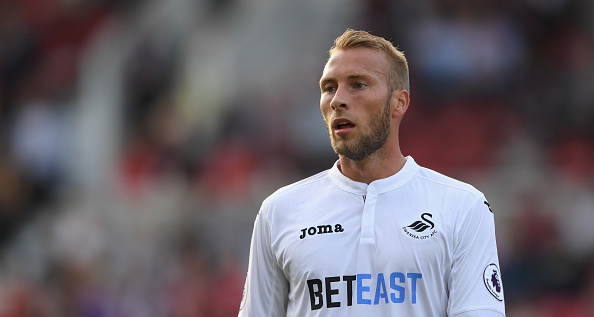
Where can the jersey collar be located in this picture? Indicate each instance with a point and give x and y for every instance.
(379, 186)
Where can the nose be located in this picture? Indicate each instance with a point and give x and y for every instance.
(339, 100)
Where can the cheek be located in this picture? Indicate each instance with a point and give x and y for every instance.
(324, 108)
(325, 101)
(325, 117)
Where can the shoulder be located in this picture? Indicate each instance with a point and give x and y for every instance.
(451, 185)
(297, 192)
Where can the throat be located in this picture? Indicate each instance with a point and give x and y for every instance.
(371, 168)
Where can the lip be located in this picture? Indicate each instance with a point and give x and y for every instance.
(342, 130)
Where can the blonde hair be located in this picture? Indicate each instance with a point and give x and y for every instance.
(398, 77)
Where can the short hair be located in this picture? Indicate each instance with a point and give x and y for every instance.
(398, 77)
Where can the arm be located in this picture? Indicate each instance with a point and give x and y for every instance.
(475, 287)
(266, 289)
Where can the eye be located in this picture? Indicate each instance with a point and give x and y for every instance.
(329, 89)
(359, 85)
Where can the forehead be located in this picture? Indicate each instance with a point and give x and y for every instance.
(346, 62)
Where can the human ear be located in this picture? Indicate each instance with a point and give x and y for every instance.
(400, 100)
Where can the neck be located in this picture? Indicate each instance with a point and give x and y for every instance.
(377, 166)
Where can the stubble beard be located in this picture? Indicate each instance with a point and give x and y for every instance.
(366, 144)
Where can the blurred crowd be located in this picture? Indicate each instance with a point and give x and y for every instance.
(138, 139)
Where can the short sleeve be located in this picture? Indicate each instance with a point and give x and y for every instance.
(266, 288)
(480, 313)
(475, 280)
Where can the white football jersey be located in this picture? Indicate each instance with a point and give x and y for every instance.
(417, 243)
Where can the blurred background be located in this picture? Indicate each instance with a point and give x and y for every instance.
(138, 139)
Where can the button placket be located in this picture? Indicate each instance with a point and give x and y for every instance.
(368, 219)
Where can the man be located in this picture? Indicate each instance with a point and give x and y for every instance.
(375, 235)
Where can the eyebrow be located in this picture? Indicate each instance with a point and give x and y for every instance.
(324, 80)
(359, 75)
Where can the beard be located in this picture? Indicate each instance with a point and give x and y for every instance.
(367, 143)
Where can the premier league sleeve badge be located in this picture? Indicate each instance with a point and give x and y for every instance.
(492, 279)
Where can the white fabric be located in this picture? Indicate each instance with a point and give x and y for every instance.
(480, 313)
(329, 246)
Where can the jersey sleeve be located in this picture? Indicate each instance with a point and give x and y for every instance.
(475, 279)
(266, 288)
(480, 313)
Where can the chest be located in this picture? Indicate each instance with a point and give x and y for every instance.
(375, 234)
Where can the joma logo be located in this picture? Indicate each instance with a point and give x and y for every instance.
(321, 229)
